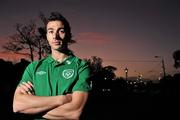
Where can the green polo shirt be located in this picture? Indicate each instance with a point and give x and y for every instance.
(51, 78)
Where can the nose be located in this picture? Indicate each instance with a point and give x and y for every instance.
(57, 36)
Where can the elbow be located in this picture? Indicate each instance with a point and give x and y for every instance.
(16, 107)
(76, 115)
(16, 104)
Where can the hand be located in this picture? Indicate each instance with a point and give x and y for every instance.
(69, 97)
(26, 88)
(65, 98)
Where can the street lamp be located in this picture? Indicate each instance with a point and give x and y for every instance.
(163, 66)
(126, 72)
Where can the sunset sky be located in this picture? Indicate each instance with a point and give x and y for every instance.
(124, 33)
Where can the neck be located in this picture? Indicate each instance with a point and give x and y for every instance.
(58, 56)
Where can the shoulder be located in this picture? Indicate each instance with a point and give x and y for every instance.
(36, 63)
(81, 65)
(80, 61)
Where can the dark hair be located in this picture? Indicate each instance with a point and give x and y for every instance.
(57, 16)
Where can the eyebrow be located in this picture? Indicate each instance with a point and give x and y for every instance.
(53, 28)
(50, 29)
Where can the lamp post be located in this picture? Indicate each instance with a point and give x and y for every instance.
(126, 72)
(163, 65)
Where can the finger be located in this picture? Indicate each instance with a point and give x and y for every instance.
(23, 87)
(29, 92)
(30, 84)
(23, 91)
(69, 97)
(27, 85)
(32, 88)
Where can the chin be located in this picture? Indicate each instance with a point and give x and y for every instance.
(55, 48)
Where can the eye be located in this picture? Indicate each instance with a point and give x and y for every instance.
(61, 30)
(50, 31)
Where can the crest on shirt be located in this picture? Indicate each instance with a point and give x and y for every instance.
(68, 73)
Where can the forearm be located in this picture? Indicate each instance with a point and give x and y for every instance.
(26, 102)
(43, 109)
(49, 117)
(63, 113)
(35, 104)
(71, 110)
(52, 117)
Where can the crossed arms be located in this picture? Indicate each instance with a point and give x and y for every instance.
(62, 107)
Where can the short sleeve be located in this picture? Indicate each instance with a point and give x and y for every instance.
(83, 82)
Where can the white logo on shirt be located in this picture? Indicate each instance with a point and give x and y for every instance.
(68, 62)
(41, 72)
(68, 73)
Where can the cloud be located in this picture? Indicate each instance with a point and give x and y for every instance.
(15, 57)
(94, 38)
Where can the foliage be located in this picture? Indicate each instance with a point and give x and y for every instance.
(176, 56)
(30, 38)
(100, 72)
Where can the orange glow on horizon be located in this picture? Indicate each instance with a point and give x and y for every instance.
(13, 57)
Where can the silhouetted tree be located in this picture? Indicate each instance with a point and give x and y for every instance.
(32, 38)
(176, 56)
(96, 67)
(100, 76)
(29, 37)
(23, 40)
(108, 72)
(95, 64)
(42, 44)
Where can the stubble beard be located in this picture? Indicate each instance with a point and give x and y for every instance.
(63, 48)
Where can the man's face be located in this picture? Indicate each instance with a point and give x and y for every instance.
(55, 34)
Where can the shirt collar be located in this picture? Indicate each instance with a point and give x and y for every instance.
(66, 61)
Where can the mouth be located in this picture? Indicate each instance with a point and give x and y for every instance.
(57, 42)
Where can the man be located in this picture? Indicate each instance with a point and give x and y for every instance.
(57, 86)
